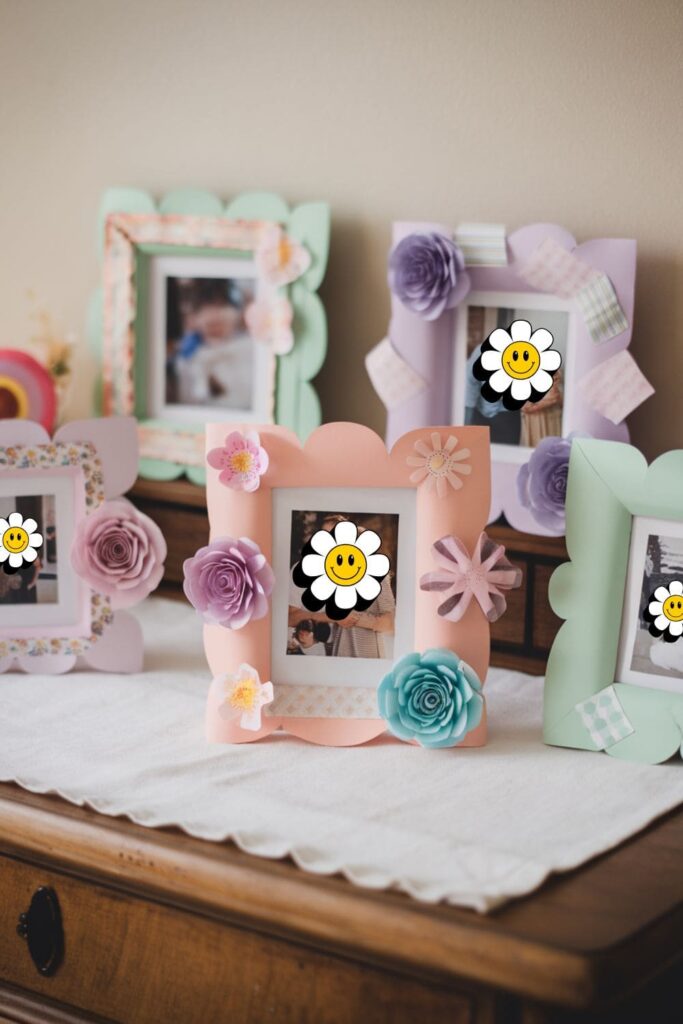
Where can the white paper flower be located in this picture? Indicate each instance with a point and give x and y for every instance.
(665, 611)
(243, 697)
(517, 365)
(439, 465)
(19, 541)
(341, 569)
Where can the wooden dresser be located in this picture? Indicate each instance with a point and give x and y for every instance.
(153, 927)
(160, 928)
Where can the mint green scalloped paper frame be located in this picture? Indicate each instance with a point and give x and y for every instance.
(296, 402)
(609, 483)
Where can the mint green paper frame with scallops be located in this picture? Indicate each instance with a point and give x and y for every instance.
(609, 483)
(295, 402)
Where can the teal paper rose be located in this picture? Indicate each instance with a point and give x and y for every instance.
(434, 698)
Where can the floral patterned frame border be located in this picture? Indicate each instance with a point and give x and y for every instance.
(105, 453)
(346, 455)
(191, 222)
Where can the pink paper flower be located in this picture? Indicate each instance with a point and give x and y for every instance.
(459, 578)
(243, 697)
(439, 465)
(119, 552)
(270, 322)
(279, 260)
(242, 461)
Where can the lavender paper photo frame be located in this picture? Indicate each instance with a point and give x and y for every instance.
(434, 355)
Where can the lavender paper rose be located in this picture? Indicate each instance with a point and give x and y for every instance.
(542, 482)
(229, 582)
(119, 552)
(427, 273)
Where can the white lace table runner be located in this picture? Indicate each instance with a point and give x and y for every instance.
(471, 827)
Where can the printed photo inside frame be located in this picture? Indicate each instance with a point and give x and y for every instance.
(615, 673)
(208, 312)
(73, 553)
(338, 585)
(525, 333)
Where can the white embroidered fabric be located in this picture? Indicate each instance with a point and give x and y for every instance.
(470, 827)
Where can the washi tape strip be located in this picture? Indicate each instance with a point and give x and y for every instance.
(616, 387)
(551, 268)
(392, 378)
(482, 245)
(601, 310)
(604, 718)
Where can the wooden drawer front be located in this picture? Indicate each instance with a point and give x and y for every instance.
(129, 959)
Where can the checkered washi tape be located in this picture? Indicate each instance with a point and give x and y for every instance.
(392, 378)
(604, 718)
(550, 268)
(601, 310)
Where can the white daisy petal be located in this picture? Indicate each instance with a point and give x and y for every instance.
(16, 519)
(368, 542)
(418, 476)
(322, 588)
(458, 467)
(35, 540)
(661, 622)
(655, 608)
(368, 588)
(30, 555)
(499, 338)
(436, 442)
(345, 597)
(521, 390)
(378, 565)
(661, 593)
(313, 565)
(345, 533)
(30, 525)
(4, 555)
(676, 587)
(491, 360)
(542, 339)
(422, 448)
(455, 481)
(551, 360)
(4, 525)
(676, 628)
(464, 453)
(541, 381)
(322, 542)
(520, 330)
(499, 381)
(441, 486)
(15, 561)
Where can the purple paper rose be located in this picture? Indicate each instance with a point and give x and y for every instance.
(542, 482)
(119, 552)
(427, 273)
(229, 582)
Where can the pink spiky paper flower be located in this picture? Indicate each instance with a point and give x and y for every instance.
(484, 576)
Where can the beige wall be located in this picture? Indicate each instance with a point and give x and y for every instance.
(510, 110)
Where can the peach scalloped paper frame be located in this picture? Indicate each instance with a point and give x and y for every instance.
(347, 455)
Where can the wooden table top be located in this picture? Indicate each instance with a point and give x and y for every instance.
(583, 938)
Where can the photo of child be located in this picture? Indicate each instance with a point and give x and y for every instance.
(663, 562)
(209, 353)
(35, 582)
(361, 634)
(536, 420)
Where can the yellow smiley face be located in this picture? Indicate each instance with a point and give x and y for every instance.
(521, 360)
(15, 540)
(673, 608)
(345, 564)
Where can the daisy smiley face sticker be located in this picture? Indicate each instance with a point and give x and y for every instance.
(341, 569)
(665, 612)
(19, 541)
(517, 365)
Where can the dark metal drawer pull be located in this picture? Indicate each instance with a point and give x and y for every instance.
(41, 926)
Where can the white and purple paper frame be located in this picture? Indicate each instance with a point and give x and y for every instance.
(86, 463)
(437, 350)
